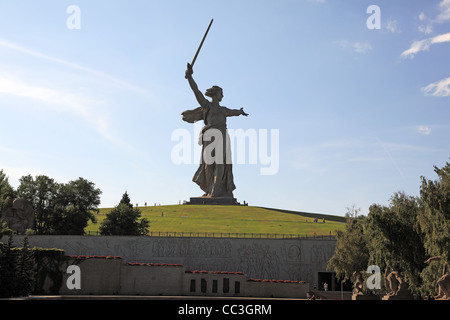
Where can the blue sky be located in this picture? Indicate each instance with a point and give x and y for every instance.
(361, 113)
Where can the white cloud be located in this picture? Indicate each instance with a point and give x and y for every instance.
(423, 130)
(425, 44)
(422, 16)
(438, 89)
(426, 29)
(441, 38)
(416, 47)
(358, 47)
(444, 15)
(54, 96)
(392, 26)
(60, 99)
(105, 76)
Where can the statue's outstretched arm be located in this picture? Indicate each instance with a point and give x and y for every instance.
(433, 259)
(242, 112)
(235, 112)
(198, 94)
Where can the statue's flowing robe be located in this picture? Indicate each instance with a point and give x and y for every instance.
(215, 177)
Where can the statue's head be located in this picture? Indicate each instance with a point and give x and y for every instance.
(215, 92)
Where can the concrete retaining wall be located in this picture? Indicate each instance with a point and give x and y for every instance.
(151, 280)
(285, 259)
(100, 276)
(275, 289)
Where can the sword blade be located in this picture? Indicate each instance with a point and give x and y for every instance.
(201, 43)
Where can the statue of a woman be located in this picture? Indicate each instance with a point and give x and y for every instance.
(214, 175)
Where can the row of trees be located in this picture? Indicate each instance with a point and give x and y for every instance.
(402, 235)
(67, 208)
(60, 208)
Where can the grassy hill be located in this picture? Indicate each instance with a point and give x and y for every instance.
(232, 219)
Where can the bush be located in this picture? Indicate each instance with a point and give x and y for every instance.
(17, 270)
(48, 266)
(24, 271)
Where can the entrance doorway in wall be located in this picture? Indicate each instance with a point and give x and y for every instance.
(325, 279)
(333, 283)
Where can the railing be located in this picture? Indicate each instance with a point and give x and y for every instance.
(231, 235)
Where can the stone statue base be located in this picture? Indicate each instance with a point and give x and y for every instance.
(402, 294)
(223, 201)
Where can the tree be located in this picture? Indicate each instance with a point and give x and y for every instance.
(60, 208)
(435, 220)
(75, 206)
(394, 239)
(17, 269)
(352, 212)
(25, 270)
(6, 191)
(126, 200)
(351, 253)
(7, 269)
(42, 192)
(435, 225)
(124, 220)
(4, 229)
(402, 235)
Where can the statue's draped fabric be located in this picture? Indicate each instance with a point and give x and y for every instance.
(214, 174)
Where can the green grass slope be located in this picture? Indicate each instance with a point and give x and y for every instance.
(232, 219)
